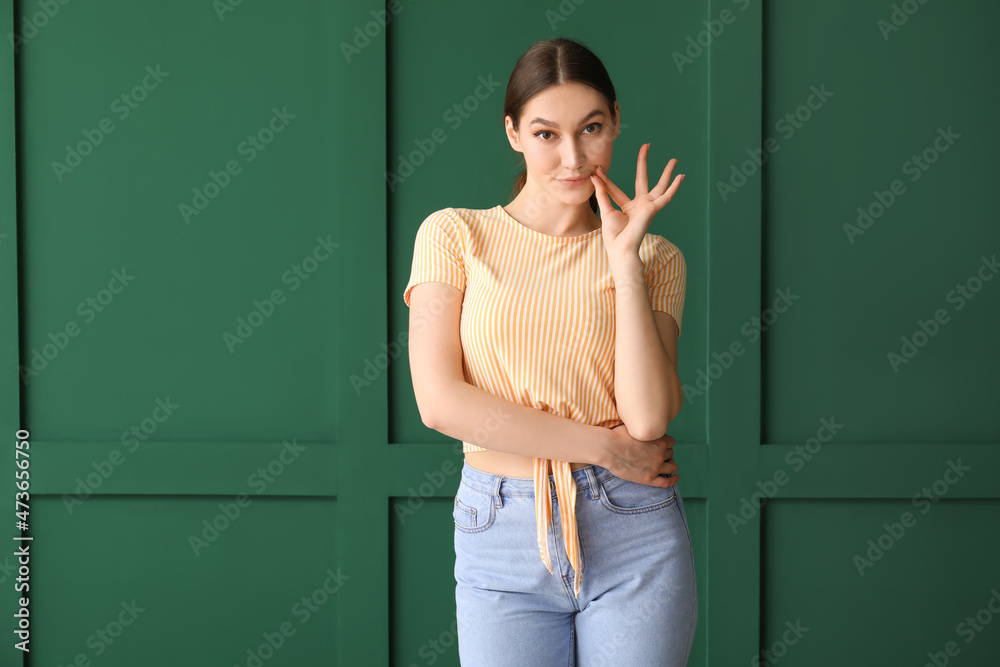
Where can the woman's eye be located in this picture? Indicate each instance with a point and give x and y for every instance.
(596, 126)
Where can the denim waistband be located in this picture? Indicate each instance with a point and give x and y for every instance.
(586, 478)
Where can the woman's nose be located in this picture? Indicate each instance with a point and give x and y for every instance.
(572, 157)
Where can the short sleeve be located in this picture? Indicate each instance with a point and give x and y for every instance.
(437, 252)
(667, 279)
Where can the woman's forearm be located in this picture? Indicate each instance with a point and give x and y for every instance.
(646, 380)
(476, 416)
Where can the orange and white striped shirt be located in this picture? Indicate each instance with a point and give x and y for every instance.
(538, 325)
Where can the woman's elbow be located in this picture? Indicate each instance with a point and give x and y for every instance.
(649, 427)
(653, 426)
(430, 413)
(427, 418)
(434, 405)
(647, 431)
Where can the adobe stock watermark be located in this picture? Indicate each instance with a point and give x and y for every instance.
(304, 609)
(779, 648)
(960, 295)
(32, 23)
(223, 7)
(898, 17)
(229, 512)
(562, 12)
(294, 276)
(88, 309)
(364, 34)
(698, 44)
(915, 167)
(373, 367)
(436, 479)
(796, 460)
(895, 531)
(249, 148)
(753, 329)
(968, 629)
(434, 648)
(787, 126)
(7, 570)
(105, 468)
(454, 116)
(123, 106)
(105, 636)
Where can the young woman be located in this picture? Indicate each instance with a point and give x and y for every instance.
(545, 337)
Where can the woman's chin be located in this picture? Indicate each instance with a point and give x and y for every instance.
(578, 195)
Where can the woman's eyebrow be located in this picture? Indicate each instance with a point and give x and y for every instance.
(595, 112)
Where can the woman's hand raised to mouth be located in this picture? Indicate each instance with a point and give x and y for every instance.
(624, 230)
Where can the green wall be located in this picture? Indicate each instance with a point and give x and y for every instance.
(225, 451)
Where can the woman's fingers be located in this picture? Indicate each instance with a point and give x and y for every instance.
(641, 180)
(661, 185)
(616, 193)
(602, 196)
(665, 198)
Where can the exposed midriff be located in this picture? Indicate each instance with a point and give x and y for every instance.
(504, 463)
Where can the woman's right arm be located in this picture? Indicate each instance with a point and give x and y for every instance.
(450, 405)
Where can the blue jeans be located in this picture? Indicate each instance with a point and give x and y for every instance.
(638, 605)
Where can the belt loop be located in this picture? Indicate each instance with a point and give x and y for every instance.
(497, 498)
(592, 482)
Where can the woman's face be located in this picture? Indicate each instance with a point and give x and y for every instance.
(565, 132)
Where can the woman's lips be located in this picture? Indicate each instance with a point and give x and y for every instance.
(573, 183)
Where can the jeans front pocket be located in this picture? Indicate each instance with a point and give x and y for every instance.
(474, 511)
(624, 497)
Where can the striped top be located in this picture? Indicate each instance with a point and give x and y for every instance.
(538, 325)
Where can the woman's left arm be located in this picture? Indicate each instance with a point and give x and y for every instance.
(648, 389)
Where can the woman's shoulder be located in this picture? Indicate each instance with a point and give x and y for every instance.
(658, 241)
(658, 250)
(465, 221)
(461, 215)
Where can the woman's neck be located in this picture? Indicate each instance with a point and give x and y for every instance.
(544, 213)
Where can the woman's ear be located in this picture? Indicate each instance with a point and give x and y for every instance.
(512, 137)
(618, 120)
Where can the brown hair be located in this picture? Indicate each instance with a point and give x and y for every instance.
(549, 63)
